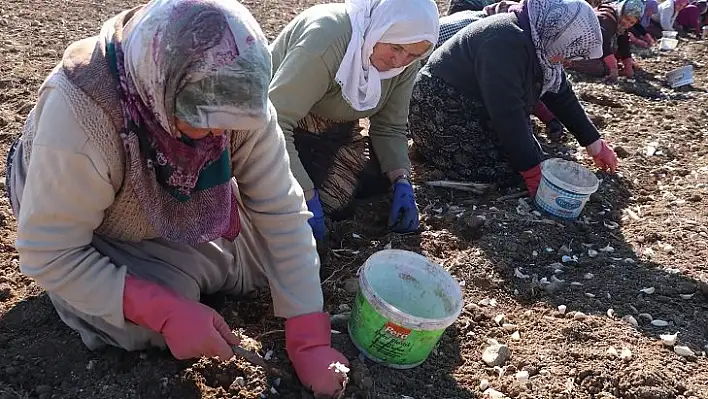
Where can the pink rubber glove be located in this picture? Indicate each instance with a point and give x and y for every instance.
(308, 343)
(190, 329)
(603, 156)
(628, 64)
(532, 178)
(611, 63)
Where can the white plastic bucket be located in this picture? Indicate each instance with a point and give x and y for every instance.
(565, 188)
(680, 76)
(403, 306)
(667, 44)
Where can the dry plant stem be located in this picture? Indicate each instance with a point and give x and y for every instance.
(265, 334)
(331, 276)
(477, 188)
(259, 361)
(513, 196)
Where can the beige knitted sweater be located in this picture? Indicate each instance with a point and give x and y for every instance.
(69, 184)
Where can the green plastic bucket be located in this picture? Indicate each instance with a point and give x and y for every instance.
(404, 304)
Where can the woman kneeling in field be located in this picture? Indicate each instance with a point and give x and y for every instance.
(615, 20)
(453, 23)
(334, 65)
(470, 105)
(150, 172)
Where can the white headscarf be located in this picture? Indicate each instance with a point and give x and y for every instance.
(567, 28)
(386, 21)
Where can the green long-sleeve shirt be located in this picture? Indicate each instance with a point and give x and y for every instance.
(306, 57)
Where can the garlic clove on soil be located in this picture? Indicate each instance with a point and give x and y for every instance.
(579, 316)
(668, 339)
(686, 296)
(607, 249)
(612, 351)
(562, 309)
(626, 354)
(668, 248)
(659, 323)
(488, 302)
(499, 319)
(588, 276)
(631, 320)
(516, 336)
(522, 376)
(592, 253)
(648, 291)
(484, 384)
(684, 351)
(493, 394)
(610, 224)
(519, 274)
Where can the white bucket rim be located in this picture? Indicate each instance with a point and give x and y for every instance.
(546, 172)
(671, 44)
(399, 316)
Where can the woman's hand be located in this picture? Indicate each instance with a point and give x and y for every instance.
(317, 221)
(612, 68)
(532, 179)
(190, 329)
(603, 156)
(308, 343)
(403, 217)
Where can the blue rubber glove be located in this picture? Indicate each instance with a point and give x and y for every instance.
(404, 213)
(317, 221)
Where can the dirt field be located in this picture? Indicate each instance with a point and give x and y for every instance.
(653, 215)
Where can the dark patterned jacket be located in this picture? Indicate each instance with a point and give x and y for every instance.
(493, 61)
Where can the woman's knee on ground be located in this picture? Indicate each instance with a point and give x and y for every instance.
(96, 332)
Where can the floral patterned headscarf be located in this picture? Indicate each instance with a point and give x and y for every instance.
(566, 28)
(207, 63)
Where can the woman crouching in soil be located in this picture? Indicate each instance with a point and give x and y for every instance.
(470, 105)
(615, 19)
(453, 23)
(334, 65)
(665, 18)
(150, 172)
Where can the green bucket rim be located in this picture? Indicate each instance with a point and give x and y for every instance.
(395, 314)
